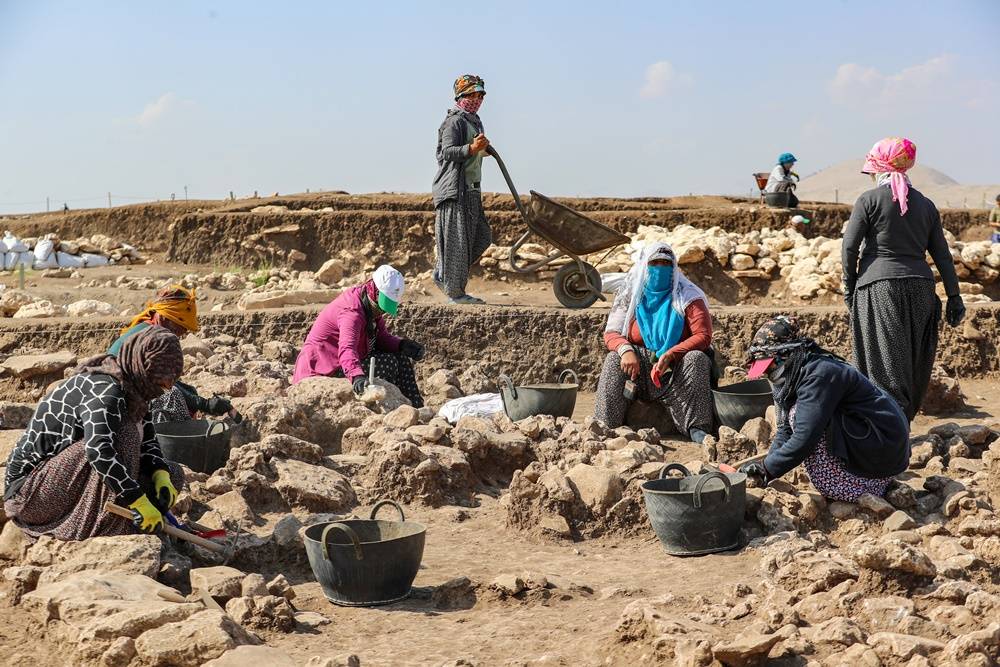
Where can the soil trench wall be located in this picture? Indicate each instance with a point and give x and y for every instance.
(529, 344)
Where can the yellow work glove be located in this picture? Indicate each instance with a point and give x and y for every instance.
(145, 516)
(166, 494)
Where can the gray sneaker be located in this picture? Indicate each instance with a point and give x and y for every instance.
(466, 300)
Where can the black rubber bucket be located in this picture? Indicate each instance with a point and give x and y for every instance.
(558, 400)
(200, 444)
(777, 199)
(696, 514)
(736, 404)
(363, 563)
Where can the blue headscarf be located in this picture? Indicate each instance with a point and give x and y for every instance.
(660, 324)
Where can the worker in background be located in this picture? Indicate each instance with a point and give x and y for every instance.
(350, 335)
(461, 232)
(851, 436)
(783, 179)
(175, 310)
(995, 222)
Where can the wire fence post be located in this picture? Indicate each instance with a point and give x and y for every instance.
(185, 193)
(109, 200)
(47, 203)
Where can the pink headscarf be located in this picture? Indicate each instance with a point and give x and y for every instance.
(893, 156)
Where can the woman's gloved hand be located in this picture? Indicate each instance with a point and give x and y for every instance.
(756, 473)
(359, 384)
(412, 349)
(218, 406)
(166, 494)
(145, 516)
(954, 312)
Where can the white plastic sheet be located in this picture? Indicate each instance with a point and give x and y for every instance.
(14, 259)
(91, 259)
(473, 405)
(610, 282)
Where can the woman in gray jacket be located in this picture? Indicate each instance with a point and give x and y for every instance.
(460, 228)
(890, 291)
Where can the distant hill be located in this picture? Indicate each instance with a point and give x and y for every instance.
(847, 181)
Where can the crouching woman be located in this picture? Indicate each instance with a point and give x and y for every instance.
(91, 440)
(851, 436)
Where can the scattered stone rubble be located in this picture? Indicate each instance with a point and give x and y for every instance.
(884, 581)
(811, 266)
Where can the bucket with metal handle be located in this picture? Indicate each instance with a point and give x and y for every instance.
(690, 517)
(364, 563)
(558, 400)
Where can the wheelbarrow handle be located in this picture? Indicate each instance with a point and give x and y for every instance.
(510, 184)
(382, 503)
(347, 530)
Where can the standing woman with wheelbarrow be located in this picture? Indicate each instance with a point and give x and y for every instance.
(460, 228)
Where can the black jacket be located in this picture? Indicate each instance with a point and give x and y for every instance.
(864, 426)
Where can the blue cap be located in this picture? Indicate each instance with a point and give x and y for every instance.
(786, 157)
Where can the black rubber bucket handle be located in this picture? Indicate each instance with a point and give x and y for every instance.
(382, 503)
(347, 530)
(570, 372)
(504, 380)
(704, 480)
(674, 466)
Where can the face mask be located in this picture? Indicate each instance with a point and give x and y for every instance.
(660, 278)
(777, 373)
(469, 104)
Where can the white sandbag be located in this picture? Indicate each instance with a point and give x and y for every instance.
(93, 259)
(610, 282)
(44, 249)
(10, 243)
(42, 264)
(68, 261)
(15, 259)
(473, 405)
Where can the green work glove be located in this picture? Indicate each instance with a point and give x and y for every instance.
(166, 494)
(145, 516)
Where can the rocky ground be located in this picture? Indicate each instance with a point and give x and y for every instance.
(538, 550)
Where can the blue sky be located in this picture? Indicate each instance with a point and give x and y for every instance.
(626, 98)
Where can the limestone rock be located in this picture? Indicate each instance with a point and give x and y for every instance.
(402, 417)
(191, 642)
(15, 416)
(944, 394)
(31, 365)
(898, 520)
(892, 645)
(221, 582)
(264, 612)
(890, 555)
(37, 309)
(313, 488)
(253, 585)
(129, 554)
(878, 506)
(91, 308)
(758, 431)
(279, 350)
(747, 649)
(598, 488)
(508, 585)
(331, 272)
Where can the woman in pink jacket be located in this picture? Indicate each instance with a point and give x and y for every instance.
(350, 334)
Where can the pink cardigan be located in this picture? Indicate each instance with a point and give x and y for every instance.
(338, 339)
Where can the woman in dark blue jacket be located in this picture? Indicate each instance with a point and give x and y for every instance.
(851, 436)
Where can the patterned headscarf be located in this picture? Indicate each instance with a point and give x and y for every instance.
(173, 302)
(893, 156)
(468, 84)
(779, 339)
(146, 361)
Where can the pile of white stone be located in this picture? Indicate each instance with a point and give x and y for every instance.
(810, 266)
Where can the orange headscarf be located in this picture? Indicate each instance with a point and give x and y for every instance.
(174, 302)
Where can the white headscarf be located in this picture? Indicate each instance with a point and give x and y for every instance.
(627, 299)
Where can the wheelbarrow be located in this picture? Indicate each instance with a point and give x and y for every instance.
(577, 284)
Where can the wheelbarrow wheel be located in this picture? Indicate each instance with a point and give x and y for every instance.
(571, 288)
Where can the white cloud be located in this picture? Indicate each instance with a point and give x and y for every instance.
(662, 77)
(859, 85)
(155, 109)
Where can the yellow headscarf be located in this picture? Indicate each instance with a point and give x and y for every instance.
(174, 302)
